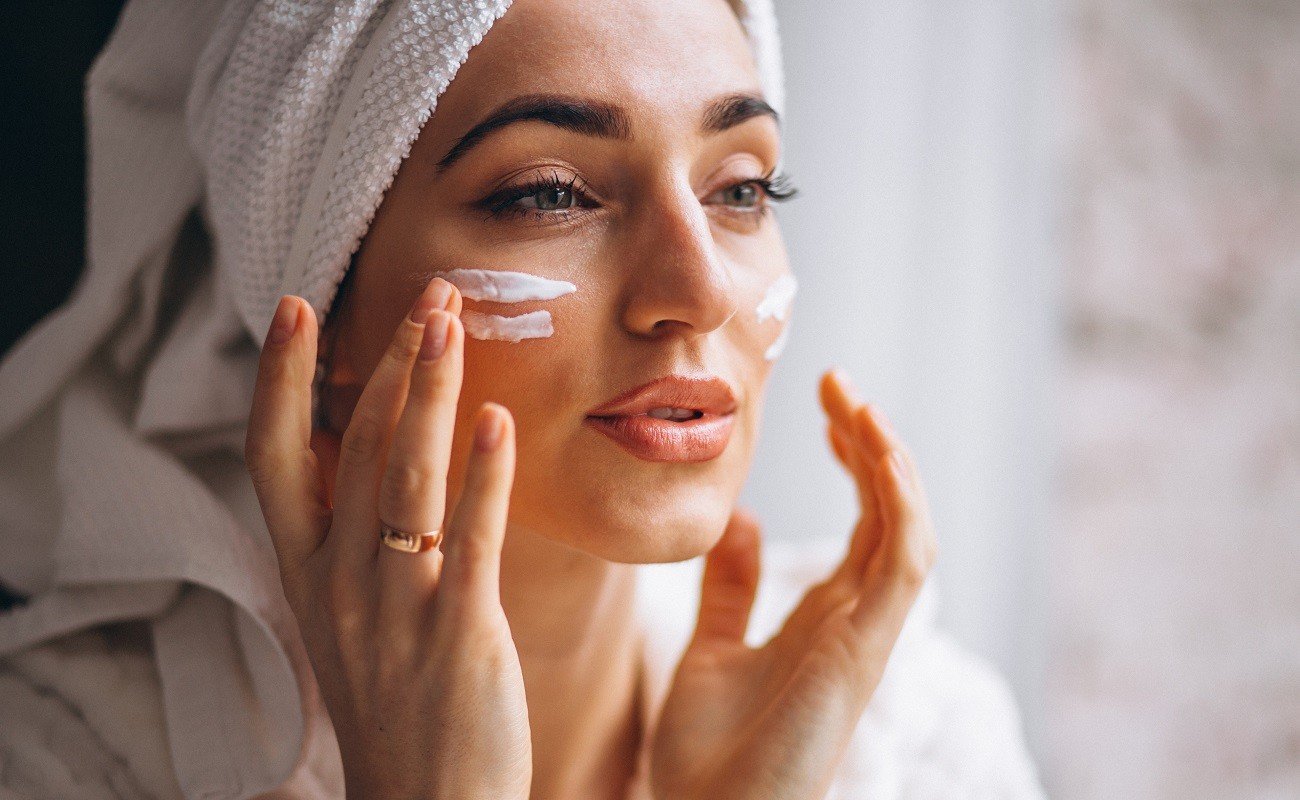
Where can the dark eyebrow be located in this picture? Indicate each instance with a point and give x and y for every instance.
(588, 117)
(727, 112)
(596, 118)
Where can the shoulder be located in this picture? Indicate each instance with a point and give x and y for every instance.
(81, 717)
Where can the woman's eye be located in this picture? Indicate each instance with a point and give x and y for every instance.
(744, 195)
(550, 198)
(544, 199)
(752, 196)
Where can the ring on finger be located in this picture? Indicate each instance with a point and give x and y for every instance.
(408, 542)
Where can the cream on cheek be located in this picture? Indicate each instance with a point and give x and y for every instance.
(503, 286)
(533, 325)
(773, 350)
(776, 305)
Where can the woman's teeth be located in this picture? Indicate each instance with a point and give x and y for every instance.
(676, 414)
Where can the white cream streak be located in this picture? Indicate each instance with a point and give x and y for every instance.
(776, 300)
(778, 344)
(501, 286)
(533, 325)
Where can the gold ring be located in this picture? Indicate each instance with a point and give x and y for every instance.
(409, 542)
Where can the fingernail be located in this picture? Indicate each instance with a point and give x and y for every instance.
(435, 295)
(440, 292)
(487, 434)
(435, 335)
(284, 323)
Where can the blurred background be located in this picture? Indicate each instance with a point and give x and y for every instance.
(1059, 243)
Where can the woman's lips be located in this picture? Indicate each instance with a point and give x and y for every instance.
(702, 406)
(653, 439)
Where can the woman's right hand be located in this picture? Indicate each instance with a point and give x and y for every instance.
(412, 651)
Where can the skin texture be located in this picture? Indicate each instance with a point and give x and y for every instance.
(660, 276)
(454, 672)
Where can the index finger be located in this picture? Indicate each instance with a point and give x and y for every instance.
(277, 448)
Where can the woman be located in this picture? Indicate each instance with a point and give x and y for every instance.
(548, 353)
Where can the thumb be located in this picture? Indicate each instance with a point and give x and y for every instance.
(730, 581)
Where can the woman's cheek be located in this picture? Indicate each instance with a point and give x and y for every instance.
(502, 371)
(765, 319)
(539, 376)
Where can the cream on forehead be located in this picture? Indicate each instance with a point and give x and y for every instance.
(501, 286)
(776, 300)
(774, 349)
(533, 325)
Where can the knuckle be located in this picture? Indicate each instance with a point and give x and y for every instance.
(845, 650)
(430, 386)
(905, 512)
(260, 467)
(362, 438)
(910, 566)
(257, 449)
(405, 345)
(406, 483)
(831, 592)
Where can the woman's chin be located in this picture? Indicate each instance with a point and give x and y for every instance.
(636, 532)
(676, 538)
(625, 510)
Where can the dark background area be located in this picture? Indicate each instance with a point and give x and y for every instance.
(45, 51)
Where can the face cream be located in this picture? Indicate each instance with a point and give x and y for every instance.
(774, 349)
(504, 286)
(501, 286)
(533, 325)
(776, 300)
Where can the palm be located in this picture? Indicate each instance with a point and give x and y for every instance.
(748, 708)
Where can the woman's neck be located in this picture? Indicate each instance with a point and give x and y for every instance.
(574, 622)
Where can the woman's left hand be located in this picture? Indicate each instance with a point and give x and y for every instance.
(773, 722)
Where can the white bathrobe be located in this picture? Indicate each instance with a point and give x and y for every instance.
(205, 706)
(236, 151)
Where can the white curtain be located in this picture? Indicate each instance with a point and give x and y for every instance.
(921, 134)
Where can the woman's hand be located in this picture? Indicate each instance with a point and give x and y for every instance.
(412, 650)
(773, 722)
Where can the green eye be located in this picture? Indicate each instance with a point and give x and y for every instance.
(550, 198)
(745, 195)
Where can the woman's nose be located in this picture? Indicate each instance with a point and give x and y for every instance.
(677, 282)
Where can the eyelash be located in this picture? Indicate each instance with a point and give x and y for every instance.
(502, 203)
(775, 186)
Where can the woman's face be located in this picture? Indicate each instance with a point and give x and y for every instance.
(634, 180)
